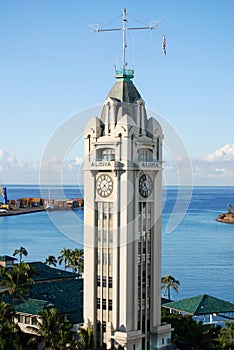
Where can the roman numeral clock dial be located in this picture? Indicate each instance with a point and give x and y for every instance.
(104, 185)
(145, 186)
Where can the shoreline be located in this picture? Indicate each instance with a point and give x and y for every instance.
(21, 211)
(226, 218)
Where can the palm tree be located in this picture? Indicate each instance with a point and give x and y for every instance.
(6, 311)
(18, 280)
(227, 336)
(56, 335)
(76, 261)
(9, 331)
(229, 208)
(51, 260)
(21, 251)
(9, 336)
(190, 334)
(86, 337)
(168, 282)
(64, 257)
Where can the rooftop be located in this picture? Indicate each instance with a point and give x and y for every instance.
(201, 305)
(32, 306)
(124, 90)
(6, 258)
(65, 296)
(45, 272)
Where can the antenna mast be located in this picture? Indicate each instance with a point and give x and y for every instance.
(124, 38)
(124, 28)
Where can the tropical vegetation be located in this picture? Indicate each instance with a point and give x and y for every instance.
(17, 280)
(86, 337)
(73, 259)
(167, 283)
(21, 251)
(9, 331)
(51, 260)
(55, 334)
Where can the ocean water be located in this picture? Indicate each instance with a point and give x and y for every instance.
(199, 252)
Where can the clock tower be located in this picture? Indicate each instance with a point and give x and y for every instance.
(122, 222)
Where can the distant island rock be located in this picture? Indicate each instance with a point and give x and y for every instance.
(227, 218)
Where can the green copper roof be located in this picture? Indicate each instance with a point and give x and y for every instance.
(32, 306)
(45, 272)
(201, 305)
(6, 258)
(126, 74)
(66, 296)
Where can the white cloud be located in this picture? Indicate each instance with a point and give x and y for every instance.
(56, 171)
(79, 160)
(13, 170)
(216, 168)
(225, 154)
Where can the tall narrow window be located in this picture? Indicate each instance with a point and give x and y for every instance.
(132, 146)
(158, 149)
(89, 143)
(120, 147)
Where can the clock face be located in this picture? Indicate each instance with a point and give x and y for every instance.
(145, 186)
(104, 185)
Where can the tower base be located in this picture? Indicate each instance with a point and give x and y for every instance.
(160, 337)
(129, 340)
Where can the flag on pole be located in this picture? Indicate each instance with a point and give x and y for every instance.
(164, 44)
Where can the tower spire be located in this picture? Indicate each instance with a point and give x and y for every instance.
(124, 72)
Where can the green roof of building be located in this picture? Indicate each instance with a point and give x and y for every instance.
(45, 272)
(32, 306)
(201, 305)
(66, 296)
(6, 258)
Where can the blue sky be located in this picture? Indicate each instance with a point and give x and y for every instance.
(53, 66)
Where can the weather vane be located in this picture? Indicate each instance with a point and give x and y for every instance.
(124, 28)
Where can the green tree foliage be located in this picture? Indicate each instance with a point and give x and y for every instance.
(21, 251)
(167, 283)
(227, 336)
(189, 334)
(56, 334)
(64, 257)
(51, 260)
(18, 280)
(73, 259)
(229, 208)
(9, 331)
(76, 260)
(86, 336)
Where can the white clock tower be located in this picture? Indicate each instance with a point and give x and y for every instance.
(122, 220)
(122, 225)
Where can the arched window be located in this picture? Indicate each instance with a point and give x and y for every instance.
(145, 155)
(106, 154)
